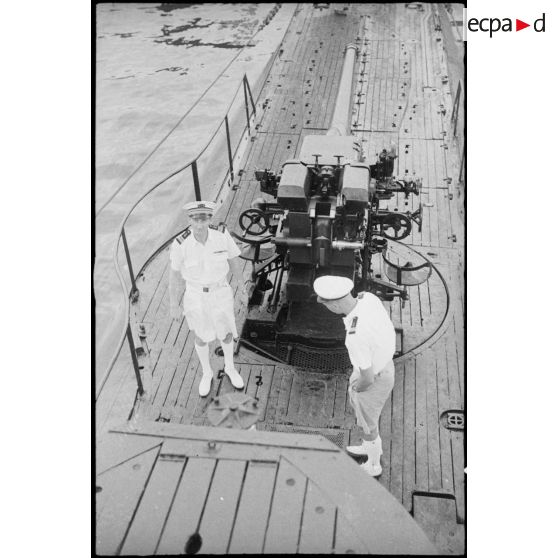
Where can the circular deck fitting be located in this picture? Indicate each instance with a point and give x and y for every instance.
(417, 320)
(421, 317)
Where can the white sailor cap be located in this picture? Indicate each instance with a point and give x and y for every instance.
(196, 207)
(332, 287)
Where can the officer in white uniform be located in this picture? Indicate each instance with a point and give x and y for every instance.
(370, 341)
(201, 256)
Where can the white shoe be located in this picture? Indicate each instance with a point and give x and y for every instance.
(205, 385)
(361, 450)
(235, 377)
(374, 451)
(356, 450)
(374, 470)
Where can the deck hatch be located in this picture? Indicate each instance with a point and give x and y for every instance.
(453, 420)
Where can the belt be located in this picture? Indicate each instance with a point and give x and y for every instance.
(207, 288)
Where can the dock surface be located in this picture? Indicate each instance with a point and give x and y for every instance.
(401, 97)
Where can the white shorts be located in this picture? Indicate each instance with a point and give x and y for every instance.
(210, 314)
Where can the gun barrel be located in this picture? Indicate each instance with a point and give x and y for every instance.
(341, 121)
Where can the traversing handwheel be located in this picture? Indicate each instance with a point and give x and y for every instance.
(396, 226)
(254, 222)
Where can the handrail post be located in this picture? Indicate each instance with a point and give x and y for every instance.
(455, 111)
(246, 104)
(135, 292)
(196, 180)
(229, 147)
(462, 169)
(250, 93)
(134, 359)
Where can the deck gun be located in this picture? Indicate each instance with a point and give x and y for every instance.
(323, 217)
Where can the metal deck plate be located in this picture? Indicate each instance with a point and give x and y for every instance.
(339, 437)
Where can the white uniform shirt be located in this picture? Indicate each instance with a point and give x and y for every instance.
(203, 264)
(370, 336)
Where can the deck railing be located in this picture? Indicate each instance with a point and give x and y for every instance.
(176, 188)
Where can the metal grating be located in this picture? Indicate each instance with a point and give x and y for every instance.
(313, 358)
(339, 437)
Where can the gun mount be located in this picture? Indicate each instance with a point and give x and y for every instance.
(325, 219)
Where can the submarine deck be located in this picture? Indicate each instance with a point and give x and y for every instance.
(402, 95)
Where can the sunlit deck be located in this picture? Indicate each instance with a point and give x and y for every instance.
(401, 96)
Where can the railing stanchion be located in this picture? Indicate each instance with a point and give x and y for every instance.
(455, 111)
(134, 359)
(196, 180)
(250, 93)
(246, 104)
(135, 292)
(229, 147)
(462, 169)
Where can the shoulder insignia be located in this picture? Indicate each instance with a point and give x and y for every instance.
(183, 236)
(221, 227)
(353, 325)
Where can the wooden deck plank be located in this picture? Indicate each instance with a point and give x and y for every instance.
(183, 519)
(433, 424)
(117, 381)
(386, 436)
(284, 395)
(341, 386)
(397, 448)
(253, 509)
(443, 209)
(167, 369)
(346, 542)
(183, 358)
(119, 506)
(283, 527)
(457, 278)
(350, 418)
(457, 448)
(220, 509)
(295, 398)
(189, 391)
(152, 286)
(318, 523)
(264, 388)
(157, 319)
(435, 239)
(443, 405)
(423, 367)
(148, 522)
(273, 399)
(455, 397)
(409, 440)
